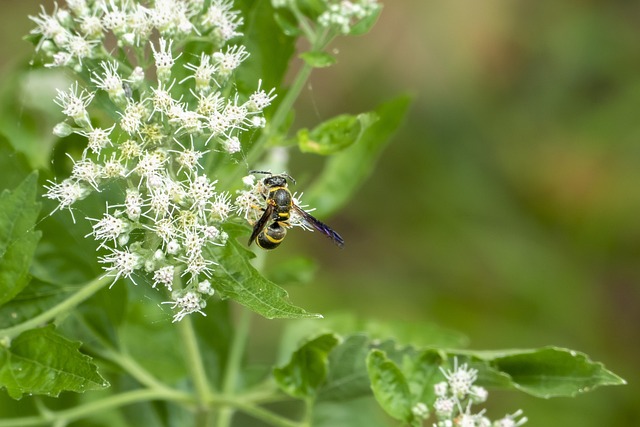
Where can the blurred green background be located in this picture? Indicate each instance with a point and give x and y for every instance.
(508, 206)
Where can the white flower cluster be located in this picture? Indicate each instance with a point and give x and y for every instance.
(455, 398)
(166, 131)
(71, 35)
(345, 14)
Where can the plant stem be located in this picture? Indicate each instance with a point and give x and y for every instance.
(84, 293)
(261, 414)
(134, 369)
(69, 415)
(234, 364)
(196, 368)
(281, 113)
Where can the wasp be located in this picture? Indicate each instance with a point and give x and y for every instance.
(271, 229)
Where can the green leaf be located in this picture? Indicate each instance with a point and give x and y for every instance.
(423, 372)
(365, 25)
(287, 22)
(318, 59)
(40, 361)
(389, 386)
(36, 298)
(294, 270)
(14, 166)
(271, 50)
(236, 278)
(348, 378)
(335, 134)
(553, 372)
(307, 369)
(346, 171)
(311, 8)
(18, 239)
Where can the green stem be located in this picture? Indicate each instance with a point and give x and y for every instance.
(234, 364)
(262, 414)
(69, 415)
(196, 368)
(84, 293)
(308, 413)
(131, 366)
(281, 113)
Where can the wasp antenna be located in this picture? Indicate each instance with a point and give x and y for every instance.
(286, 175)
(261, 172)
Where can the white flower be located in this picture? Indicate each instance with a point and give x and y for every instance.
(139, 24)
(161, 99)
(221, 206)
(97, 139)
(260, 99)
(228, 61)
(164, 276)
(109, 228)
(204, 287)
(200, 191)
(133, 204)
(420, 410)
(510, 420)
(66, 193)
(222, 19)
(122, 263)
(47, 26)
(232, 145)
(164, 59)
(88, 171)
(110, 81)
(78, 47)
(202, 74)
(441, 388)
(114, 19)
(189, 302)
(460, 379)
(91, 26)
(444, 407)
(132, 118)
(74, 104)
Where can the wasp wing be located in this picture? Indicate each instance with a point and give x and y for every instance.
(320, 226)
(261, 223)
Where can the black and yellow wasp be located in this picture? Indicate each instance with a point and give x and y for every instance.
(271, 229)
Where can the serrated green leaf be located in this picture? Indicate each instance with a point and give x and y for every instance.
(40, 361)
(18, 239)
(389, 386)
(346, 171)
(335, 134)
(553, 372)
(347, 378)
(33, 300)
(318, 59)
(307, 369)
(236, 278)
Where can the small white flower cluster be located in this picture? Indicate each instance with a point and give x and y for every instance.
(345, 14)
(455, 398)
(171, 212)
(69, 36)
